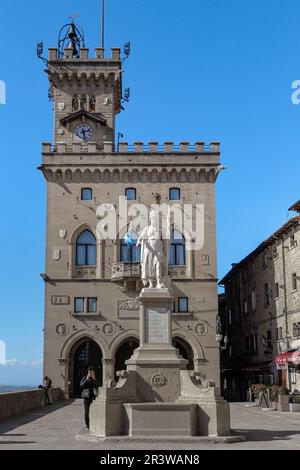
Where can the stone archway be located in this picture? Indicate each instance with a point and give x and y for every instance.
(124, 352)
(84, 353)
(185, 351)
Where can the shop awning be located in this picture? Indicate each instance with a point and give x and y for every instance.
(288, 357)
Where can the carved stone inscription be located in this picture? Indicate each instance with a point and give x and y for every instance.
(60, 300)
(156, 325)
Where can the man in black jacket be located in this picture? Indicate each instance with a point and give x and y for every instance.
(89, 387)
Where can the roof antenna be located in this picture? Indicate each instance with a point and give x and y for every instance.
(103, 23)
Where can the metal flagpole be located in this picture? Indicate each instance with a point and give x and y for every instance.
(103, 22)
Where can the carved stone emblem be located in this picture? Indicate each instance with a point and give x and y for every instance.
(201, 329)
(108, 329)
(56, 252)
(61, 106)
(205, 260)
(129, 304)
(61, 329)
(159, 380)
(128, 308)
(62, 233)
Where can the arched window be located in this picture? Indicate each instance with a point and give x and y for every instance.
(75, 103)
(83, 102)
(92, 102)
(177, 249)
(129, 252)
(86, 249)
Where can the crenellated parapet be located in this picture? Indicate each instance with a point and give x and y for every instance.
(115, 55)
(136, 148)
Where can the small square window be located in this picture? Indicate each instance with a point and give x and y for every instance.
(276, 292)
(86, 194)
(79, 305)
(183, 305)
(174, 194)
(130, 194)
(92, 305)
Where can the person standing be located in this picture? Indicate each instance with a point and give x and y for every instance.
(89, 387)
(47, 387)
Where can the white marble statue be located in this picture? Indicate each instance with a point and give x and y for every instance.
(152, 253)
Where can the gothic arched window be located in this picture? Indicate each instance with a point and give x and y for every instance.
(83, 102)
(129, 252)
(177, 249)
(86, 249)
(92, 103)
(75, 103)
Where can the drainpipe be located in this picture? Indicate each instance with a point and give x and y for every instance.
(287, 341)
(285, 297)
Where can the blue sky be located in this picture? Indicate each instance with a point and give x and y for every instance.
(199, 70)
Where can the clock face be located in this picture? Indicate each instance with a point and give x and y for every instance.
(83, 131)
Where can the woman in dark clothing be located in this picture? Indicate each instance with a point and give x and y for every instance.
(89, 387)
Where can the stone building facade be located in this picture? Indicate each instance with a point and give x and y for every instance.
(260, 314)
(92, 285)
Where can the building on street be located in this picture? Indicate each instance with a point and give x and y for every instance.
(260, 314)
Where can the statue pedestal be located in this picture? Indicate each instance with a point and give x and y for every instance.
(157, 395)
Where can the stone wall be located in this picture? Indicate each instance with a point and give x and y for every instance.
(14, 403)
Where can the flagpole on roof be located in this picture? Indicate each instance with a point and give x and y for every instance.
(103, 24)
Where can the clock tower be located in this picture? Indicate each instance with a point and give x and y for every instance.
(87, 93)
(92, 285)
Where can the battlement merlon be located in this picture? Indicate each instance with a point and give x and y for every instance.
(115, 56)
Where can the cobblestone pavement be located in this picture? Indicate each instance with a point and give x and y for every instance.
(56, 427)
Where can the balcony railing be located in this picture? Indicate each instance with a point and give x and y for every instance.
(125, 270)
(85, 272)
(177, 272)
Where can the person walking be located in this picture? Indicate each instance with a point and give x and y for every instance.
(89, 387)
(47, 387)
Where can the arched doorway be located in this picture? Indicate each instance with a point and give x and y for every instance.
(124, 352)
(83, 354)
(185, 351)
